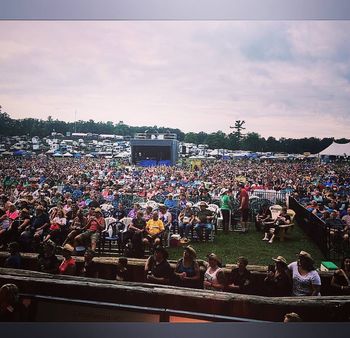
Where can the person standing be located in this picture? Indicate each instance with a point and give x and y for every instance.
(240, 279)
(187, 273)
(306, 280)
(157, 268)
(278, 281)
(68, 266)
(225, 209)
(341, 278)
(244, 207)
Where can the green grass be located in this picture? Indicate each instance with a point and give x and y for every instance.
(229, 247)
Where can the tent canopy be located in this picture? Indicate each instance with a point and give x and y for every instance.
(337, 149)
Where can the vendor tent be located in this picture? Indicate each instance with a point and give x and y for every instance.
(67, 155)
(337, 149)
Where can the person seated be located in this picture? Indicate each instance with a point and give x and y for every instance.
(319, 211)
(264, 215)
(343, 206)
(157, 268)
(182, 201)
(9, 303)
(58, 222)
(272, 229)
(119, 212)
(133, 212)
(335, 225)
(95, 224)
(123, 273)
(203, 220)
(89, 268)
(8, 217)
(169, 202)
(12, 233)
(341, 278)
(187, 273)
(76, 227)
(312, 206)
(154, 230)
(134, 235)
(186, 219)
(147, 215)
(14, 261)
(68, 265)
(10, 214)
(165, 216)
(47, 260)
(214, 278)
(204, 195)
(240, 280)
(40, 224)
(318, 197)
(278, 281)
(346, 221)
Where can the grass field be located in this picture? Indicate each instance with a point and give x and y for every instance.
(250, 245)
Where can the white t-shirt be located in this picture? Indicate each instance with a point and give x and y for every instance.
(302, 284)
(58, 220)
(211, 277)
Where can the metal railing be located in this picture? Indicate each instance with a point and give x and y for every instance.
(163, 313)
(313, 226)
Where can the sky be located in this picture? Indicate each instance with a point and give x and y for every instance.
(283, 78)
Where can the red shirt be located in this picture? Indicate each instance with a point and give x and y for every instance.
(12, 215)
(96, 224)
(244, 194)
(65, 264)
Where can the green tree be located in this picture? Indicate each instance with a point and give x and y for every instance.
(252, 142)
(216, 140)
(191, 138)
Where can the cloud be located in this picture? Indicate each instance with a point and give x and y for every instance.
(284, 78)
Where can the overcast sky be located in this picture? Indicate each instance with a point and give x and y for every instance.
(289, 79)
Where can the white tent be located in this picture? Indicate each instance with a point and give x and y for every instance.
(123, 155)
(215, 152)
(337, 149)
(67, 155)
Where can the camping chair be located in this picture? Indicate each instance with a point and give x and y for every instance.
(196, 209)
(218, 219)
(112, 233)
(152, 204)
(291, 213)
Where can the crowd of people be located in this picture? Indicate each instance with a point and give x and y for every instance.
(63, 199)
(298, 278)
(44, 199)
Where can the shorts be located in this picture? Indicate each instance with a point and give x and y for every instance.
(244, 215)
(93, 236)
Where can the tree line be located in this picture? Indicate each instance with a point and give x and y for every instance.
(236, 140)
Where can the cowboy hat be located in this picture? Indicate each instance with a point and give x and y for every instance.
(191, 251)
